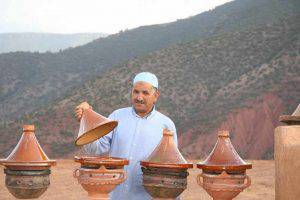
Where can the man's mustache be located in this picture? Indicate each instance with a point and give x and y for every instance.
(139, 101)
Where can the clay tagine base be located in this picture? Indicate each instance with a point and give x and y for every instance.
(27, 184)
(223, 186)
(99, 182)
(100, 175)
(164, 183)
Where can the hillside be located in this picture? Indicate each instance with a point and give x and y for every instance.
(42, 42)
(240, 81)
(31, 80)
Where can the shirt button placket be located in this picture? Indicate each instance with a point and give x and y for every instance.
(133, 144)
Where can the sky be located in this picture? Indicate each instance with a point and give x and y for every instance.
(101, 16)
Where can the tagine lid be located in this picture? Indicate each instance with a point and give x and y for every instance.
(93, 126)
(291, 119)
(166, 154)
(224, 156)
(101, 160)
(28, 152)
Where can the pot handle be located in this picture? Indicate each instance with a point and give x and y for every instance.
(248, 182)
(124, 176)
(199, 180)
(76, 173)
(2, 164)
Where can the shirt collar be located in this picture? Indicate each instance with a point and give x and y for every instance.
(148, 116)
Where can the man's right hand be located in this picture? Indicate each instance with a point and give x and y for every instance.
(80, 108)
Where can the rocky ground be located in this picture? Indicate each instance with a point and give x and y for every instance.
(65, 187)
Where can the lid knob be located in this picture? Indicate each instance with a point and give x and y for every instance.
(223, 134)
(167, 132)
(28, 128)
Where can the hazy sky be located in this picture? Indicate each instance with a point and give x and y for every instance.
(106, 16)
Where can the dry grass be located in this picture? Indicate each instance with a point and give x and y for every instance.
(64, 186)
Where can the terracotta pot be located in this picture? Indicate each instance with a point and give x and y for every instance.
(223, 186)
(27, 168)
(100, 175)
(223, 171)
(165, 170)
(99, 182)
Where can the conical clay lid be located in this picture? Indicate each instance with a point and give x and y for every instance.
(166, 154)
(293, 119)
(93, 126)
(224, 156)
(28, 153)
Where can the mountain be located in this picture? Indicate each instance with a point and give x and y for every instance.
(31, 80)
(239, 81)
(42, 42)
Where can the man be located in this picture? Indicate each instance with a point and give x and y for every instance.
(138, 133)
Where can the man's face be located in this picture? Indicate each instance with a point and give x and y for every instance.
(143, 97)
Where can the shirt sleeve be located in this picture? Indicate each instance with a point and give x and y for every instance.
(171, 126)
(102, 145)
(175, 132)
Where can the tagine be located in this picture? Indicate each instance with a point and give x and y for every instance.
(165, 170)
(27, 168)
(223, 171)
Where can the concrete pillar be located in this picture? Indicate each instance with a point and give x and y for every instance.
(287, 157)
